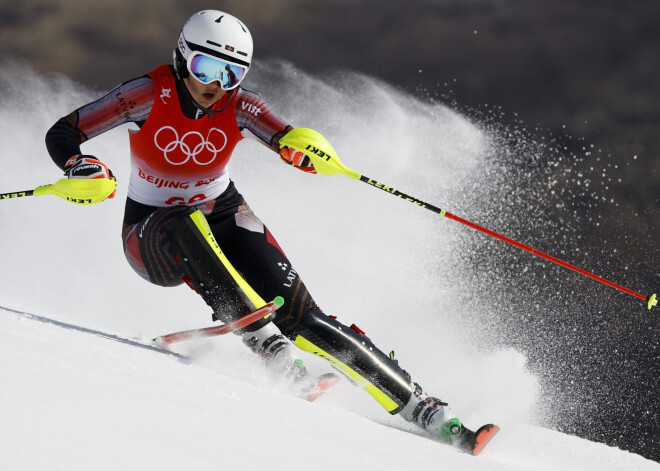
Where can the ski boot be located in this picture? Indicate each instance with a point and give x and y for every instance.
(437, 419)
(276, 351)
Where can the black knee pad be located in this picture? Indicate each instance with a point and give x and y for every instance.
(205, 271)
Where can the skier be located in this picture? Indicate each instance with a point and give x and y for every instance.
(190, 116)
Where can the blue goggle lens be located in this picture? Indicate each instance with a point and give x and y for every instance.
(207, 69)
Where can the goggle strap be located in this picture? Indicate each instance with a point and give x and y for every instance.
(213, 53)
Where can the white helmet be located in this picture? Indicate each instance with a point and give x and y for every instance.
(213, 41)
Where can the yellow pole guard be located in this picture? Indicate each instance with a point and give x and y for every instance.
(203, 226)
(79, 190)
(382, 398)
(319, 150)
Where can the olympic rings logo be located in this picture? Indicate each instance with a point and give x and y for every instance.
(191, 145)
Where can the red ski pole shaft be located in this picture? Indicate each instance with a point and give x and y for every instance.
(531, 250)
(222, 329)
(652, 299)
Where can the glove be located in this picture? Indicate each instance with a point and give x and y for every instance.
(298, 159)
(87, 166)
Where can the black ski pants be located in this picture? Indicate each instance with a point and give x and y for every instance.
(163, 247)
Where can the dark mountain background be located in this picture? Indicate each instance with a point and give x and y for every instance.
(583, 75)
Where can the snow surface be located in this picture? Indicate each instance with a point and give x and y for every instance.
(73, 400)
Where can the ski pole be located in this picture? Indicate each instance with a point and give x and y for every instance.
(244, 321)
(75, 190)
(326, 162)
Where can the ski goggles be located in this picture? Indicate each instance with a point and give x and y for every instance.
(206, 69)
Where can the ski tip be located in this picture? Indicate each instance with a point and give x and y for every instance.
(323, 383)
(653, 300)
(278, 301)
(482, 437)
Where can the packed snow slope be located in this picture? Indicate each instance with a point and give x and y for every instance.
(72, 400)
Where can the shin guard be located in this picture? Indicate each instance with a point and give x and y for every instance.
(352, 353)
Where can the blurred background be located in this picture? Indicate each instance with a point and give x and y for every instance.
(569, 90)
(585, 72)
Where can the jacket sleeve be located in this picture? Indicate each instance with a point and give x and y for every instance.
(129, 102)
(256, 119)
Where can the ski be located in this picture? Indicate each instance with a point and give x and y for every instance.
(322, 384)
(244, 321)
(479, 439)
(115, 338)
